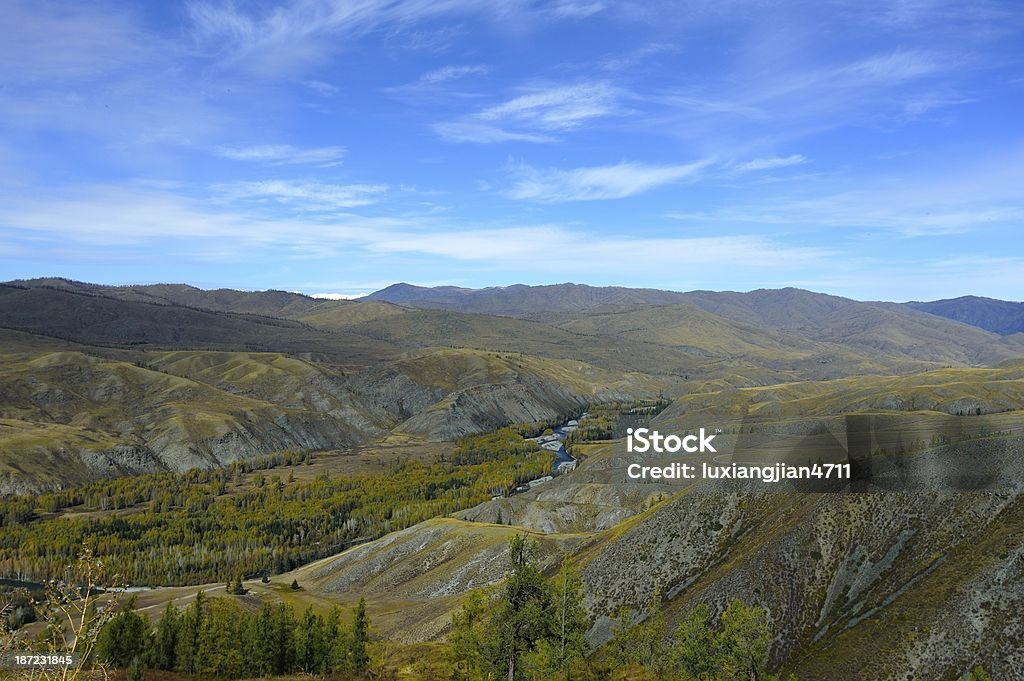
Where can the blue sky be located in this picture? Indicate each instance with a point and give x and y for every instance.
(868, 149)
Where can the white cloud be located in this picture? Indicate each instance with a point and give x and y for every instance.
(893, 212)
(538, 115)
(292, 36)
(482, 133)
(51, 43)
(558, 108)
(771, 163)
(438, 81)
(336, 296)
(941, 200)
(284, 154)
(598, 182)
(576, 10)
(636, 57)
(320, 87)
(452, 72)
(305, 196)
(895, 67)
(126, 221)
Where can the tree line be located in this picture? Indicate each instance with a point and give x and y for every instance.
(195, 527)
(217, 637)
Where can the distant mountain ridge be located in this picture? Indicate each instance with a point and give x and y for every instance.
(520, 300)
(266, 370)
(271, 303)
(998, 316)
(788, 308)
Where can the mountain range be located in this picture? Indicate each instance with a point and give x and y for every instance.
(102, 381)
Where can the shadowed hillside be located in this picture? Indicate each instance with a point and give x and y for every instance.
(997, 316)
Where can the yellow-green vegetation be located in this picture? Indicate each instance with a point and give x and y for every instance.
(534, 629)
(609, 421)
(457, 368)
(205, 525)
(334, 316)
(956, 391)
(217, 637)
(441, 328)
(479, 448)
(734, 648)
(690, 327)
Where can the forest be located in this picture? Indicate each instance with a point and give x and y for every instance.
(210, 525)
(218, 637)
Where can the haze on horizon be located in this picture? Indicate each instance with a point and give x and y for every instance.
(867, 149)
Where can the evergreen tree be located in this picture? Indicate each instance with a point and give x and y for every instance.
(188, 636)
(219, 651)
(644, 643)
(312, 654)
(471, 642)
(259, 642)
(570, 614)
(281, 639)
(522, 616)
(125, 638)
(695, 645)
(745, 641)
(360, 637)
(166, 641)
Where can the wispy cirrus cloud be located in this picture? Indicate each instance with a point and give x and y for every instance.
(49, 43)
(284, 154)
(574, 9)
(863, 210)
(292, 36)
(558, 108)
(484, 133)
(596, 183)
(538, 115)
(438, 80)
(451, 72)
(304, 196)
(320, 87)
(771, 163)
(142, 218)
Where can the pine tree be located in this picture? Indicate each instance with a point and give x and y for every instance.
(125, 638)
(644, 643)
(360, 637)
(471, 640)
(745, 639)
(522, 617)
(166, 642)
(188, 636)
(571, 615)
(695, 644)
